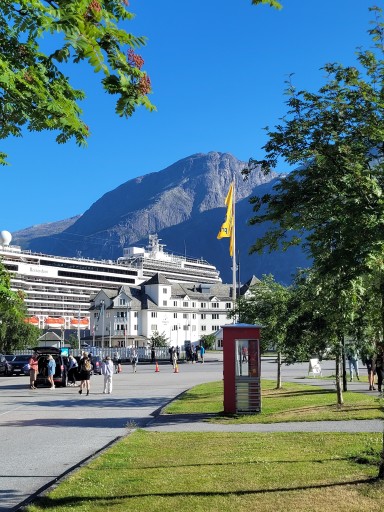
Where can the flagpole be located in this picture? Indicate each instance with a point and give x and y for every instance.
(234, 268)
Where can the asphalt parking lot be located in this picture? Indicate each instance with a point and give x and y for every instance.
(45, 433)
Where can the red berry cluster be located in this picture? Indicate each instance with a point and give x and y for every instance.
(134, 59)
(144, 84)
(94, 6)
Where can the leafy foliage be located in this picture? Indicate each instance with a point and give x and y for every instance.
(37, 39)
(158, 340)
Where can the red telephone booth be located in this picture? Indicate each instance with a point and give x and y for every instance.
(241, 367)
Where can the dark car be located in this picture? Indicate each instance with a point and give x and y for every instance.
(96, 365)
(18, 363)
(61, 373)
(5, 366)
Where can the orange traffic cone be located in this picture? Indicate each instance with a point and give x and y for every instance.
(176, 369)
(157, 367)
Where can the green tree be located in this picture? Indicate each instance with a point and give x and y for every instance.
(37, 39)
(267, 304)
(272, 3)
(158, 340)
(334, 199)
(208, 341)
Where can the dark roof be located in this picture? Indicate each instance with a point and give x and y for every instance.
(157, 279)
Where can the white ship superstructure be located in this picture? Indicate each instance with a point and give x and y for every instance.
(177, 269)
(57, 289)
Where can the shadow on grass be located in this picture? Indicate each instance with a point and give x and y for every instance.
(75, 501)
(279, 393)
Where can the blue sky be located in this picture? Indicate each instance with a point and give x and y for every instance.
(217, 69)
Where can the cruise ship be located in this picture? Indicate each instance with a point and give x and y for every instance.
(57, 289)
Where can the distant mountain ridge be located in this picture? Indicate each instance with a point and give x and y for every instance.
(184, 205)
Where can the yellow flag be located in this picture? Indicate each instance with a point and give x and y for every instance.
(227, 226)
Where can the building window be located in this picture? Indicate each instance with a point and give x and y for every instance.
(215, 304)
(215, 316)
(185, 315)
(175, 303)
(174, 315)
(203, 304)
(193, 304)
(154, 327)
(136, 314)
(135, 327)
(185, 304)
(165, 291)
(215, 327)
(122, 302)
(164, 302)
(203, 327)
(203, 316)
(228, 305)
(194, 316)
(185, 327)
(154, 314)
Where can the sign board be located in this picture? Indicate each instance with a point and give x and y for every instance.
(314, 367)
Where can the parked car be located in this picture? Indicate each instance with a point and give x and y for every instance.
(61, 373)
(96, 365)
(18, 363)
(5, 367)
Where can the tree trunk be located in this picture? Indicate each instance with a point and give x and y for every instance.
(278, 384)
(345, 385)
(381, 465)
(339, 391)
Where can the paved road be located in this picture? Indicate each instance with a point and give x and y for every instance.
(46, 433)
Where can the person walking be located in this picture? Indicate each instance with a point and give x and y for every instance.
(368, 360)
(85, 374)
(353, 361)
(33, 370)
(202, 353)
(134, 360)
(107, 369)
(51, 369)
(379, 365)
(72, 370)
(174, 358)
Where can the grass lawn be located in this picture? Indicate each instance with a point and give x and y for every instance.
(294, 402)
(226, 472)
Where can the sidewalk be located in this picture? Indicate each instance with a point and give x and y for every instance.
(200, 422)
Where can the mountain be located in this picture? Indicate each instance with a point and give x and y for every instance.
(184, 205)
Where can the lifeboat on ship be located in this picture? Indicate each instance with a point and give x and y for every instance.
(79, 322)
(54, 322)
(33, 320)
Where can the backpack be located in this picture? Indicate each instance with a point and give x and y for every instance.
(87, 365)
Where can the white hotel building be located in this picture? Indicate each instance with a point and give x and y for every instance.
(182, 312)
